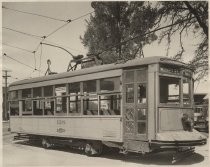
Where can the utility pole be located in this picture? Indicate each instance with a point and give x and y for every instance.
(6, 76)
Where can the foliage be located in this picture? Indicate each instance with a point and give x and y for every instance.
(114, 22)
(193, 18)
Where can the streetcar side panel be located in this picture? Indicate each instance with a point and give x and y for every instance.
(95, 128)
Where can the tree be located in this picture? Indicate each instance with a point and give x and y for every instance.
(114, 22)
(193, 18)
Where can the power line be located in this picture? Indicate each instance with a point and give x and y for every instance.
(57, 29)
(24, 33)
(54, 31)
(36, 37)
(77, 18)
(37, 47)
(20, 62)
(26, 50)
(43, 37)
(35, 14)
(69, 21)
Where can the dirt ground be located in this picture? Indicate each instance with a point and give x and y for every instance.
(21, 153)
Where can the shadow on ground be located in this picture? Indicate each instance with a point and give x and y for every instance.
(163, 158)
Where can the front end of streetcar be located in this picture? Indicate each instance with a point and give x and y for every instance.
(175, 110)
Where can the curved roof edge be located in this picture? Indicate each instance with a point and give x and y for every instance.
(106, 67)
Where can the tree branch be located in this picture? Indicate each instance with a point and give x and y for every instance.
(194, 12)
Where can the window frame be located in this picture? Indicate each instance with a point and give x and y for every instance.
(42, 99)
(180, 91)
(181, 77)
(114, 94)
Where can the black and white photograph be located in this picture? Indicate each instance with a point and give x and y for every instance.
(105, 83)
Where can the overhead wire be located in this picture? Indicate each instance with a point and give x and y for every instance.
(26, 50)
(69, 21)
(20, 62)
(42, 37)
(35, 14)
(39, 37)
(77, 18)
(54, 31)
(24, 33)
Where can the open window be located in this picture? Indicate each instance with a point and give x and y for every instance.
(49, 106)
(109, 104)
(27, 107)
(13, 95)
(61, 100)
(169, 90)
(38, 107)
(14, 108)
(75, 98)
(75, 105)
(141, 93)
(90, 105)
(186, 91)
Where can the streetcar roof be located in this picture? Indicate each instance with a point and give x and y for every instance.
(100, 68)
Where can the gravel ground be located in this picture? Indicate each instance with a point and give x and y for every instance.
(21, 153)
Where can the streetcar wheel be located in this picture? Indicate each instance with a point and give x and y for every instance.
(46, 143)
(93, 149)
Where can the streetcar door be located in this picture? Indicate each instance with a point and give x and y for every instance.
(135, 104)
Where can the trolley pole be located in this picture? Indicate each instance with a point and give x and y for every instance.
(6, 76)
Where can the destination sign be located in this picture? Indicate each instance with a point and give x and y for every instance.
(170, 70)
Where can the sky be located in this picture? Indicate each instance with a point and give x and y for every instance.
(68, 37)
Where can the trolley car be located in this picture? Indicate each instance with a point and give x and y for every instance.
(143, 105)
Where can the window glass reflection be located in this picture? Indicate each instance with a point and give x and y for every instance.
(48, 91)
(37, 92)
(130, 93)
(110, 84)
(89, 86)
(26, 93)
